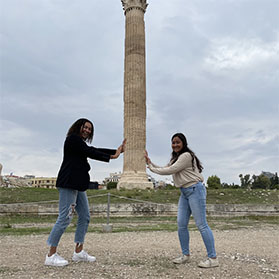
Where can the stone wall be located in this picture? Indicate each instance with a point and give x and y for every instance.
(145, 209)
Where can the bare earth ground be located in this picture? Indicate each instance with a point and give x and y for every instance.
(243, 253)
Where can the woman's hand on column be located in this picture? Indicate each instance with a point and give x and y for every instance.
(119, 150)
(147, 159)
(123, 145)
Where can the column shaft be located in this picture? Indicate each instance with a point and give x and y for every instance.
(134, 169)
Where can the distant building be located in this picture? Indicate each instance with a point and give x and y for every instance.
(160, 184)
(11, 181)
(43, 182)
(268, 174)
(29, 176)
(113, 177)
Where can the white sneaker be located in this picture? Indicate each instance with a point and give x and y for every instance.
(182, 259)
(83, 257)
(209, 262)
(55, 260)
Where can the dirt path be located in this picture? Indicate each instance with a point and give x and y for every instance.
(243, 253)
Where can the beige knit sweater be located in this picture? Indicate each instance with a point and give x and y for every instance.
(182, 171)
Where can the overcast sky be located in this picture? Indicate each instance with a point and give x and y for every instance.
(212, 73)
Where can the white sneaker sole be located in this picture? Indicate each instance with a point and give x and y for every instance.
(58, 264)
(80, 260)
(208, 266)
(184, 262)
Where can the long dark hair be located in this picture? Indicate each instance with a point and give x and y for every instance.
(75, 128)
(185, 148)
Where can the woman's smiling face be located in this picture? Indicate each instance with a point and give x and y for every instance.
(86, 130)
(176, 144)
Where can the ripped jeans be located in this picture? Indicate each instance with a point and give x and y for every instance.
(69, 201)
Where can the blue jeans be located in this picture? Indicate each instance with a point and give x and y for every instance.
(70, 200)
(193, 201)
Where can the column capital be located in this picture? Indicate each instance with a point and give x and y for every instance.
(134, 4)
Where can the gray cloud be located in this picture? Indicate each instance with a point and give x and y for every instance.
(212, 73)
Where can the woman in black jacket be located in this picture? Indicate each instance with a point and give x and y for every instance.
(72, 183)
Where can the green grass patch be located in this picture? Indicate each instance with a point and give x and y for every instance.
(27, 194)
(11, 226)
(21, 219)
(23, 231)
(214, 196)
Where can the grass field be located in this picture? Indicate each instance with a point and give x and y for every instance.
(25, 225)
(31, 224)
(214, 196)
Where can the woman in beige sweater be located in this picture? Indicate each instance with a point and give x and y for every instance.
(186, 168)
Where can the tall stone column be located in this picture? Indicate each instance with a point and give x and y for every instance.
(134, 168)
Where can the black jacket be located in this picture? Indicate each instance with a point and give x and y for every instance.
(74, 170)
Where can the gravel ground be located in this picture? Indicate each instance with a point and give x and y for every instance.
(242, 253)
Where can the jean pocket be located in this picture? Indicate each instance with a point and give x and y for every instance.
(202, 192)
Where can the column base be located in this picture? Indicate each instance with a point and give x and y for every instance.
(134, 180)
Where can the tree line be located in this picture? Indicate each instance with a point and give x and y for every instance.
(262, 181)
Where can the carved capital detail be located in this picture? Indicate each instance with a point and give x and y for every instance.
(129, 5)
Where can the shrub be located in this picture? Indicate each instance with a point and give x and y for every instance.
(170, 187)
(214, 182)
(111, 185)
